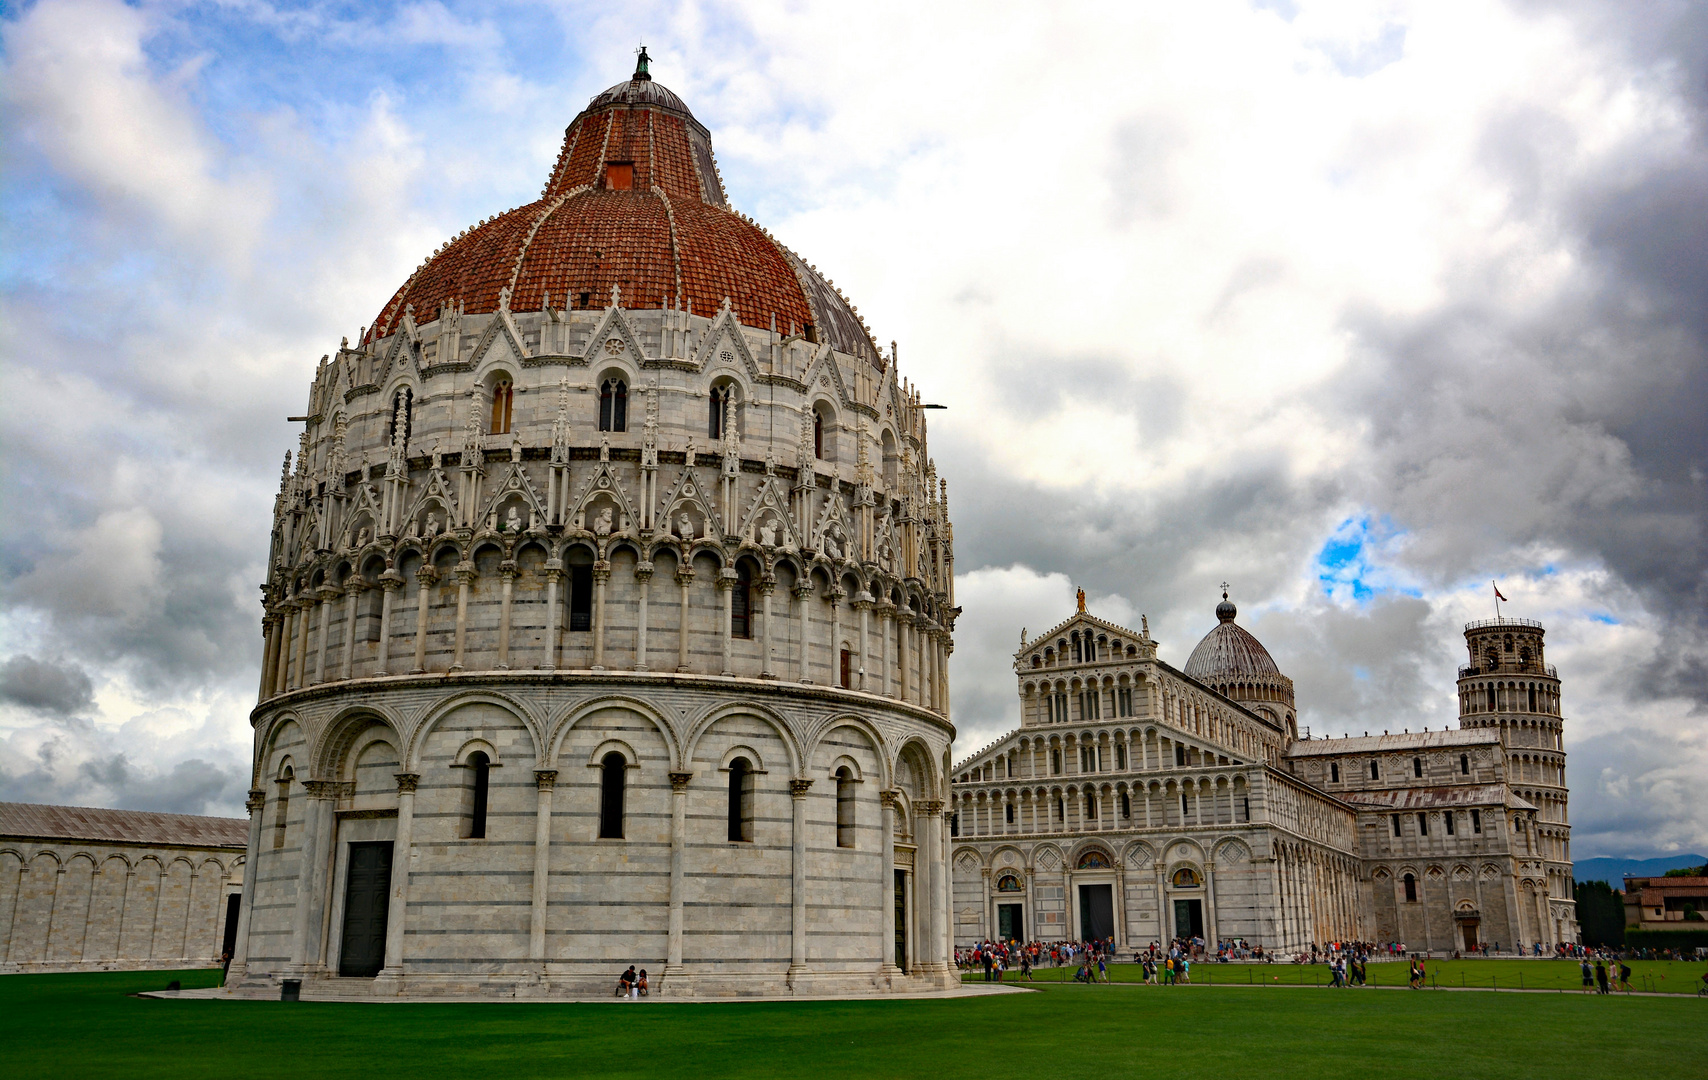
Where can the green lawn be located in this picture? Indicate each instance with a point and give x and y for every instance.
(1657, 976)
(80, 1026)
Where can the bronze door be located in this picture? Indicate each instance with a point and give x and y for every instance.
(367, 889)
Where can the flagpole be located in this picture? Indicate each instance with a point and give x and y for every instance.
(1497, 599)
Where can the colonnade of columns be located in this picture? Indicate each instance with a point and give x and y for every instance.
(907, 662)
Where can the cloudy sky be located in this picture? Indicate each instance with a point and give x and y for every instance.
(1356, 306)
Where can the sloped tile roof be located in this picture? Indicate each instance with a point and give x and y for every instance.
(37, 821)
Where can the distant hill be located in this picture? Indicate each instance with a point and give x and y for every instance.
(1613, 871)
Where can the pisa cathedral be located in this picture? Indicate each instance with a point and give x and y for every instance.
(608, 616)
(1141, 802)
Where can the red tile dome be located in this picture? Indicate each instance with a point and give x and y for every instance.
(634, 203)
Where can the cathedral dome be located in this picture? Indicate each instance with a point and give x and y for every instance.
(634, 204)
(1229, 651)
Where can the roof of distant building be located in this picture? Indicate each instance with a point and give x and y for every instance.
(1388, 744)
(38, 821)
(1436, 798)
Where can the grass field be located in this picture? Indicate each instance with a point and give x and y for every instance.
(1655, 976)
(77, 1026)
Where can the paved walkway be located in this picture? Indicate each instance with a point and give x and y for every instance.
(966, 991)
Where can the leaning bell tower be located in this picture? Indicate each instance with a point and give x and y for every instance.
(1508, 685)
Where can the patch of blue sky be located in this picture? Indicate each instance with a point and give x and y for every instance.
(1603, 617)
(1356, 562)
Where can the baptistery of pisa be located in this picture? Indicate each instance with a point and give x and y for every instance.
(607, 617)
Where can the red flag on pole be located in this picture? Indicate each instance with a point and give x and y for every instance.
(1498, 596)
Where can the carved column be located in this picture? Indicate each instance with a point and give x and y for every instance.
(601, 575)
(862, 604)
(684, 578)
(801, 591)
(268, 637)
(397, 909)
(886, 618)
(465, 577)
(424, 579)
(255, 804)
(507, 585)
(554, 574)
(282, 665)
(311, 874)
(325, 595)
(544, 781)
(352, 594)
(1030, 916)
(304, 636)
(886, 894)
(643, 578)
(726, 584)
(391, 581)
(904, 618)
(767, 585)
(837, 595)
(678, 848)
(798, 790)
(931, 845)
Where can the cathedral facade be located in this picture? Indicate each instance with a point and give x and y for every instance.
(1141, 802)
(607, 618)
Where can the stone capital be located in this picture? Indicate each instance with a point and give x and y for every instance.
(679, 780)
(406, 782)
(545, 779)
(465, 573)
(323, 789)
(257, 799)
(931, 807)
(799, 788)
(643, 571)
(890, 799)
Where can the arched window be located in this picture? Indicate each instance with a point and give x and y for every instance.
(741, 603)
(1333, 772)
(502, 395)
(818, 435)
(1375, 771)
(613, 775)
(1524, 659)
(844, 808)
(480, 776)
(1532, 696)
(1411, 889)
(401, 404)
(1126, 805)
(740, 800)
(613, 405)
(282, 808)
(1008, 813)
(1056, 761)
(1489, 692)
(1464, 765)
(1090, 806)
(722, 407)
(1417, 766)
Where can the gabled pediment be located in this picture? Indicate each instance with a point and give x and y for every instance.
(724, 338)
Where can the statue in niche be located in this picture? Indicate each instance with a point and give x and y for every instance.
(432, 527)
(602, 523)
(685, 526)
(832, 549)
(362, 537)
(768, 533)
(513, 520)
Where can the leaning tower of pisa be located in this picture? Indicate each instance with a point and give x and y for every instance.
(1508, 685)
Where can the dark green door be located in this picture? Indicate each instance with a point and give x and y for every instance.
(1010, 924)
(901, 919)
(367, 890)
(1097, 911)
(1188, 918)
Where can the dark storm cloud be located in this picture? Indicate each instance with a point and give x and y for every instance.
(55, 689)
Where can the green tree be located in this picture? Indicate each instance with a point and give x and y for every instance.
(1601, 913)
